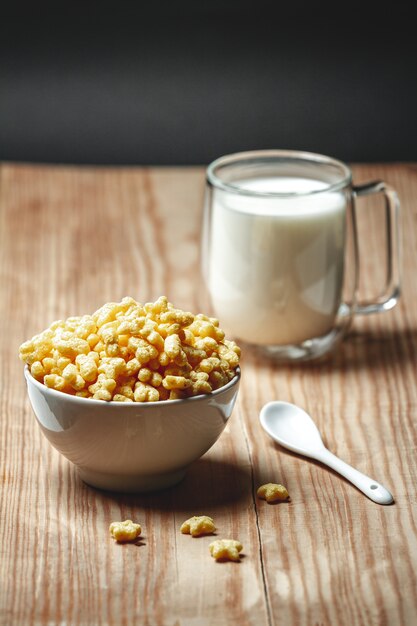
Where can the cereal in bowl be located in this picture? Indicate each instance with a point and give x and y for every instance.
(132, 352)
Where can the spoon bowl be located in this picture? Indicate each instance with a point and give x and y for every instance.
(293, 428)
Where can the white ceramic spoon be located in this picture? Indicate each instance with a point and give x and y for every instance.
(294, 429)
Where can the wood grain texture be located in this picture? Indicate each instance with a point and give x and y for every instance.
(74, 238)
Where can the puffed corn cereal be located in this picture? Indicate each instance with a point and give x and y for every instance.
(198, 525)
(272, 492)
(125, 531)
(129, 352)
(226, 549)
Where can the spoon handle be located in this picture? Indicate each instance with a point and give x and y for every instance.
(370, 487)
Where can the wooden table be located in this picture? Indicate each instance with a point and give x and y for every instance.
(74, 238)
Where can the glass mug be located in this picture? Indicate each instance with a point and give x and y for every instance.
(279, 250)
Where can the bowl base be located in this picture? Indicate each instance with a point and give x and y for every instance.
(131, 484)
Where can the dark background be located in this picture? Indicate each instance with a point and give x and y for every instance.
(185, 82)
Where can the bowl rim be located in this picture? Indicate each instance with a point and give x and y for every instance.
(103, 403)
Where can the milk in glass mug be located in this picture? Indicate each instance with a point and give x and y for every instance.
(280, 250)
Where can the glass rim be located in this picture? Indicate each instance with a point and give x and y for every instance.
(295, 155)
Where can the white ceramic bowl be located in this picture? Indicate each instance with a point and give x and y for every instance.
(131, 446)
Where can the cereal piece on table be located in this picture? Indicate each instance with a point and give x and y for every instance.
(125, 531)
(198, 525)
(225, 549)
(272, 492)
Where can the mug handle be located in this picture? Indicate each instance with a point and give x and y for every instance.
(391, 291)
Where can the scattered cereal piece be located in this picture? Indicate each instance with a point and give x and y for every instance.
(198, 525)
(272, 492)
(127, 351)
(227, 549)
(125, 531)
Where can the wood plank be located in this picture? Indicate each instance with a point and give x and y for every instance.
(74, 238)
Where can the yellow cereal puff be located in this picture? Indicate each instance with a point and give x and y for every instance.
(72, 347)
(172, 346)
(201, 387)
(226, 549)
(198, 525)
(53, 381)
(176, 382)
(37, 370)
(125, 531)
(119, 397)
(145, 393)
(272, 492)
(88, 367)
